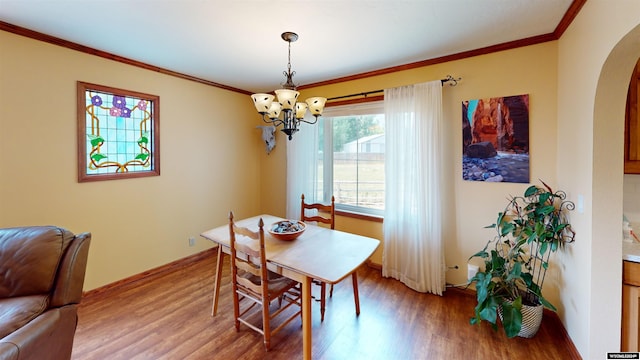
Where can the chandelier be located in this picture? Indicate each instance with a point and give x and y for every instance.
(292, 111)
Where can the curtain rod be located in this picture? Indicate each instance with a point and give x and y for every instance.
(448, 79)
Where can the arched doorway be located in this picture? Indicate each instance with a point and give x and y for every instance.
(608, 139)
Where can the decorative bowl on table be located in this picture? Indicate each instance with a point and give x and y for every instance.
(287, 229)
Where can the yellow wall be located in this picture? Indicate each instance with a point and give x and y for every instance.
(210, 159)
(576, 88)
(530, 70)
(595, 58)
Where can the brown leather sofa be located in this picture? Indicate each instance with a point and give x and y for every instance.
(41, 276)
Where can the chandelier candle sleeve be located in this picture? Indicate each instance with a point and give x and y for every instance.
(292, 111)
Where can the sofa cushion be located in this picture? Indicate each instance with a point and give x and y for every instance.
(17, 311)
(29, 259)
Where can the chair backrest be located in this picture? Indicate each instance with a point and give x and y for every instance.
(330, 210)
(248, 264)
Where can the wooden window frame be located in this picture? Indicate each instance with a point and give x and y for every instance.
(122, 171)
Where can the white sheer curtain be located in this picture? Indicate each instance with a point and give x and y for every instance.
(413, 250)
(302, 167)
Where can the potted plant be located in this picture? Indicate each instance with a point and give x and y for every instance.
(529, 230)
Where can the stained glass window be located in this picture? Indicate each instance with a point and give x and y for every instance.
(118, 133)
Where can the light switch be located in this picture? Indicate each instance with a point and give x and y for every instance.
(580, 204)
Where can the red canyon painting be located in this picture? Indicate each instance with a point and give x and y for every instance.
(495, 139)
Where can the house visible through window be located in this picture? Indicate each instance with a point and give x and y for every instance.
(351, 154)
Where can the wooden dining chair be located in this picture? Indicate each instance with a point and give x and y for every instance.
(326, 214)
(253, 284)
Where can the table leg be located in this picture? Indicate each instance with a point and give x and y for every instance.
(216, 284)
(306, 318)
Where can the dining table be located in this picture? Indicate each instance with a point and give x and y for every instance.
(318, 253)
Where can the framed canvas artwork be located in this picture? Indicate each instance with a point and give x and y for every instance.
(495, 139)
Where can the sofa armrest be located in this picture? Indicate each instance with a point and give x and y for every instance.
(8, 351)
(70, 276)
(49, 336)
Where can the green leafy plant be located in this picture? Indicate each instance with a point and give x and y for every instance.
(529, 230)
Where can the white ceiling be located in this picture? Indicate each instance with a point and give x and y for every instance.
(237, 42)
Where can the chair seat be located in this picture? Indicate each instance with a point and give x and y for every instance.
(277, 283)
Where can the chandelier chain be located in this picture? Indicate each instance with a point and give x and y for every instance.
(288, 84)
(289, 59)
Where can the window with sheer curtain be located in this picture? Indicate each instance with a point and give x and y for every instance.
(342, 156)
(413, 250)
(414, 187)
(351, 157)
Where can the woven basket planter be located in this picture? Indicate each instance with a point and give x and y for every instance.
(531, 320)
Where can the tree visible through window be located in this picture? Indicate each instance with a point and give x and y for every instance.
(353, 170)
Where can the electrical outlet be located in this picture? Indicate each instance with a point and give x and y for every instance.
(192, 241)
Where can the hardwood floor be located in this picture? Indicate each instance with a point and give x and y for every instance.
(166, 315)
